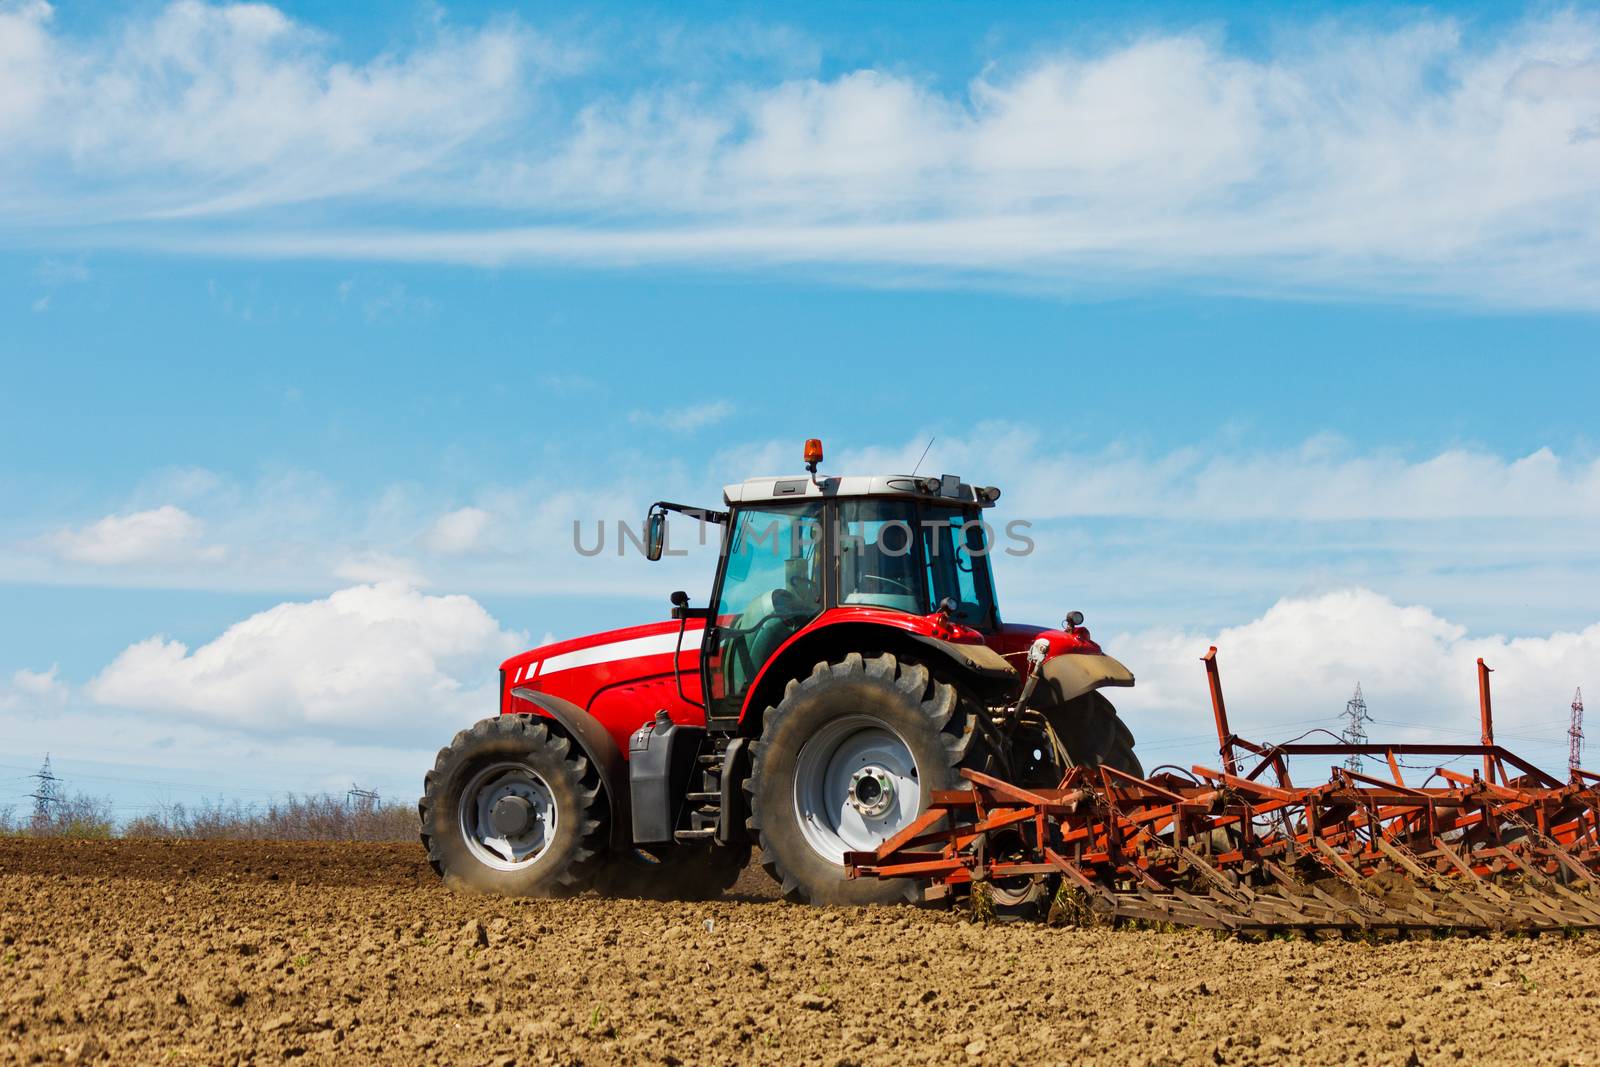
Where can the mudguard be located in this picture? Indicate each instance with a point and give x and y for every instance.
(979, 659)
(602, 751)
(1069, 676)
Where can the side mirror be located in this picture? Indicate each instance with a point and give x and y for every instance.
(655, 533)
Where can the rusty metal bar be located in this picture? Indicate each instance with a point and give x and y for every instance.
(1486, 717)
(1219, 709)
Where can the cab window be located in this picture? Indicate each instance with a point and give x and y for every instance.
(878, 554)
(771, 587)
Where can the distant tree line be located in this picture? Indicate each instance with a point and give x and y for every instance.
(313, 817)
(359, 815)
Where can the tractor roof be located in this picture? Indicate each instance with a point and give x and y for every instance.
(948, 489)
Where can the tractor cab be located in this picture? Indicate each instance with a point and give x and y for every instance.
(796, 549)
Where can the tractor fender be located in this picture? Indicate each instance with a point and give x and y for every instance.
(600, 748)
(991, 674)
(1072, 674)
(980, 659)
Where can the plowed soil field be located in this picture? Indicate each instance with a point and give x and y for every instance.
(148, 952)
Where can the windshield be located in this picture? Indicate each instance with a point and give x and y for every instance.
(897, 554)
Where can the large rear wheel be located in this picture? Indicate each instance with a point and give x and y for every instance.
(513, 807)
(847, 759)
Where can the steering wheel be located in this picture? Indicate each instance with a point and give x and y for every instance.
(903, 587)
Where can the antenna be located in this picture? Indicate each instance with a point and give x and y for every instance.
(1575, 732)
(45, 795)
(1355, 731)
(924, 455)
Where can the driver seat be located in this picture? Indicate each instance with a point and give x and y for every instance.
(764, 625)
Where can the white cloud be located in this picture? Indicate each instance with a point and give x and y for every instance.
(683, 420)
(458, 533)
(202, 108)
(1324, 479)
(374, 657)
(1294, 667)
(34, 690)
(1426, 160)
(388, 666)
(163, 535)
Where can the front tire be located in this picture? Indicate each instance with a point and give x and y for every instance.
(512, 807)
(1094, 734)
(850, 756)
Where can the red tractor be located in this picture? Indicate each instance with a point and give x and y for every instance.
(851, 661)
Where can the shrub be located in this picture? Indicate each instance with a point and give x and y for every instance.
(313, 817)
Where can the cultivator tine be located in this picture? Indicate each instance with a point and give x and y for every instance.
(1231, 851)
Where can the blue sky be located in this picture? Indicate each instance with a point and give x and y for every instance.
(319, 325)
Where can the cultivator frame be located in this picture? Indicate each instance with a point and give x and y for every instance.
(1508, 848)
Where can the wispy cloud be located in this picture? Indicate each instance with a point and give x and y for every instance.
(1214, 531)
(34, 690)
(199, 109)
(684, 420)
(460, 532)
(1433, 160)
(161, 535)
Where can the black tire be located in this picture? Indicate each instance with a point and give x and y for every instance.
(1094, 734)
(673, 872)
(577, 846)
(929, 716)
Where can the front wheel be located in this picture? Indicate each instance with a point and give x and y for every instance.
(1094, 734)
(847, 759)
(512, 807)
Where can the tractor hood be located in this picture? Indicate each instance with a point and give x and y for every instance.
(596, 650)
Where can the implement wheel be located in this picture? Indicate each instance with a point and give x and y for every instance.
(848, 758)
(513, 807)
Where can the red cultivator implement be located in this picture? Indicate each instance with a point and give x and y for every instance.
(1507, 848)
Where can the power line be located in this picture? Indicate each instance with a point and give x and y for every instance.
(1355, 731)
(1575, 732)
(45, 795)
(361, 798)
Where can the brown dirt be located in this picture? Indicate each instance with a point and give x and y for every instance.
(227, 952)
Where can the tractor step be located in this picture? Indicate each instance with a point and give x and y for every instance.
(696, 835)
(703, 798)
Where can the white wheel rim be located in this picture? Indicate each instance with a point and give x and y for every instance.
(487, 788)
(842, 775)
